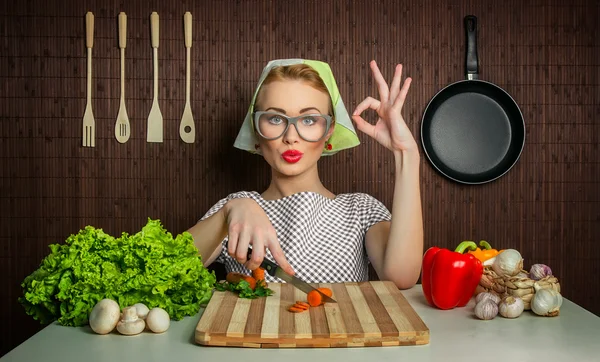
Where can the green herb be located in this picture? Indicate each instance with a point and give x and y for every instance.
(149, 267)
(243, 289)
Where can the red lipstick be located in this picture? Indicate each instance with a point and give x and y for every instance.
(292, 156)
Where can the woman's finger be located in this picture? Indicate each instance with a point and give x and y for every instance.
(279, 257)
(384, 93)
(399, 101)
(241, 251)
(369, 102)
(395, 87)
(364, 126)
(232, 241)
(258, 252)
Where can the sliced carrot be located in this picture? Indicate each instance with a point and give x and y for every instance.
(258, 273)
(325, 291)
(314, 298)
(303, 304)
(234, 278)
(296, 309)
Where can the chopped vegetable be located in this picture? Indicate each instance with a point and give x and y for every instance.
(240, 284)
(235, 278)
(296, 309)
(302, 304)
(149, 267)
(315, 299)
(259, 274)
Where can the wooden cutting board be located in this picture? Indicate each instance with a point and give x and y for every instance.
(367, 314)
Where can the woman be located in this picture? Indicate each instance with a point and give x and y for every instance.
(295, 117)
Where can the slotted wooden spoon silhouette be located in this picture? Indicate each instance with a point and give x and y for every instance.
(122, 127)
(187, 131)
(155, 118)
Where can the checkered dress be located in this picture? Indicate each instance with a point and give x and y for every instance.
(322, 238)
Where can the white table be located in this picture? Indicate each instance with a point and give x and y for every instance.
(455, 335)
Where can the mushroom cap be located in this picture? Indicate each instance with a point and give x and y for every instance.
(142, 310)
(158, 320)
(104, 316)
(130, 328)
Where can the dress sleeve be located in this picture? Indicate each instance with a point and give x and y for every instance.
(372, 211)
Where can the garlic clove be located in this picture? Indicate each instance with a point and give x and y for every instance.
(511, 307)
(487, 295)
(546, 302)
(539, 271)
(486, 309)
(158, 320)
(508, 263)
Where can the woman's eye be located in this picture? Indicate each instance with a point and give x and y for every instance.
(276, 120)
(308, 121)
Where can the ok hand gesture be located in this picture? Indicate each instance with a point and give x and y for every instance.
(390, 130)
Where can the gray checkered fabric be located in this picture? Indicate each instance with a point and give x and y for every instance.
(322, 238)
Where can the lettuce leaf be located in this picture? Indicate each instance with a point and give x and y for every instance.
(149, 267)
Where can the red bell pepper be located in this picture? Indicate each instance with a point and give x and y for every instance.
(449, 278)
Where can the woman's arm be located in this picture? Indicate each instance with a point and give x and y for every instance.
(396, 249)
(246, 224)
(208, 235)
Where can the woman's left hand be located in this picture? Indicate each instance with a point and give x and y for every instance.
(390, 130)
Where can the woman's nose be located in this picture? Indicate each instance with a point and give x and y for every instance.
(291, 135)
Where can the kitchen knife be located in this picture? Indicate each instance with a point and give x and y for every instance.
(275, 270)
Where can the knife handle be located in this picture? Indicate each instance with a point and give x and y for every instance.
(268, 265)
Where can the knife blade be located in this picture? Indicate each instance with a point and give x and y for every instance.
(275, 270)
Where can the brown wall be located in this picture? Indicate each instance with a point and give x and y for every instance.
(544, 53)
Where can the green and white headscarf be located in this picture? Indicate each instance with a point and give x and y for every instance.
(344, 135)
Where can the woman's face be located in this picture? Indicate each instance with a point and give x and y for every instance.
(293, 98)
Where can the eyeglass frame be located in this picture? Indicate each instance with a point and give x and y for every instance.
(291, 120)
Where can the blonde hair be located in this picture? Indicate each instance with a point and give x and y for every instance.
(301, 72)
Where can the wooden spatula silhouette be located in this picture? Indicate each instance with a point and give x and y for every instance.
(187, 131)
(155, 118)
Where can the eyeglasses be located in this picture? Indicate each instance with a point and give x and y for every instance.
(310, 127)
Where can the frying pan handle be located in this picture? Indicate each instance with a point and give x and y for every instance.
(472, 63)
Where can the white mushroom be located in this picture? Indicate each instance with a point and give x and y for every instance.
(104, 316)
(158, 320)
(130, 324)
(142, 310)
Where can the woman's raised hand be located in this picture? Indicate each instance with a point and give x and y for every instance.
(390, 130)
(249, 225)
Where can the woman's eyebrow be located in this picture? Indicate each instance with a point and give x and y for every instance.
(301, 111)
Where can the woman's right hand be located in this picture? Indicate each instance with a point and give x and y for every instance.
(248, 224)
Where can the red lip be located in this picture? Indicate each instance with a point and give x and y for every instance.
(292, 156)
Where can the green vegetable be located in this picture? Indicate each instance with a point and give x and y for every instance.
(149, 267)
(242, 288)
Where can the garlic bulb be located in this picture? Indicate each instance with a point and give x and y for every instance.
(511, 307)
(508, 263)
(487, 295)
(539, 271)
(546, 302)
(486, 309)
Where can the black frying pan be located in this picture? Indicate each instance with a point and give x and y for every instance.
(472, 131)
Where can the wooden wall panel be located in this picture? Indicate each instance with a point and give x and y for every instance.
(544, 53)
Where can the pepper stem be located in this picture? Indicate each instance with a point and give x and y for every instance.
(462, 247)
(485, 244)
